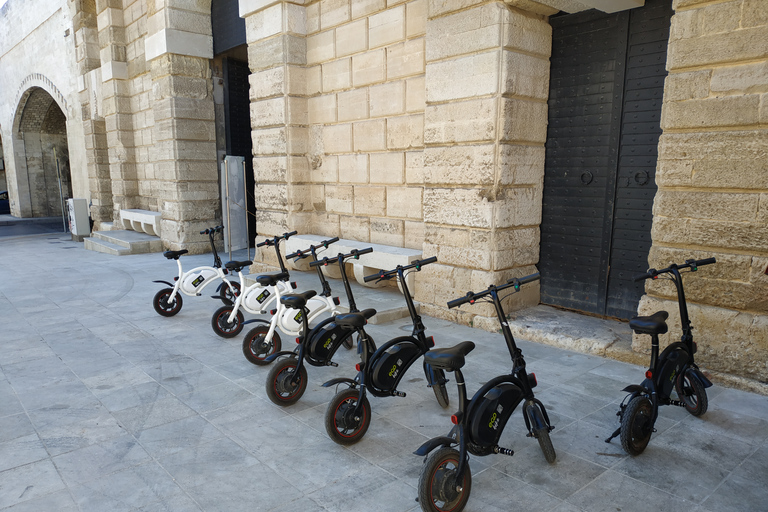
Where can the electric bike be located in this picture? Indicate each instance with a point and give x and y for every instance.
(380, 371)
(446, 481)
(168, 301)
(263, 340)
(673, 368)
(287, 380)
(228, 321)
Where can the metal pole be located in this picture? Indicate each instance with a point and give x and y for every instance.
(229, 226)
(245, 207)
(61, 191)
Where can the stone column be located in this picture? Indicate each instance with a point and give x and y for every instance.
(85, 29)
(116, 103)
(277, 59)
(487, 79)
(182, 160)
(712, 178)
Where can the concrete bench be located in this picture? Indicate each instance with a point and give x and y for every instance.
(383, 257)
(142, 221)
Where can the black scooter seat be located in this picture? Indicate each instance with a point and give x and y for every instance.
(451, 358)
(654, 324)
(354, 320)
(237, 266)
(174, 255)
(271, 279)
(297, 300)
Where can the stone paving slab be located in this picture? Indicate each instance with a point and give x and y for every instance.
(105, 405)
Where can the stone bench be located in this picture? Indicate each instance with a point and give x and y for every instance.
(384, 257)
(142, 221)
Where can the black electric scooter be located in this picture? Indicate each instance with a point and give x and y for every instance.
(381, 370)
(673, 368)
(287, 380)
(446, 481)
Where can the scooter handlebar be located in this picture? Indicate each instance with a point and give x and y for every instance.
(471, 297)
(355, 253)
(386, 274)
(692, 264)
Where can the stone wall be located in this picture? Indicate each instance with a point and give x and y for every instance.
(713, 182)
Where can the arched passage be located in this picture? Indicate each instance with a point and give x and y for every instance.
(43, 179)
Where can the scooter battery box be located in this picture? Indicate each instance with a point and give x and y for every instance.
(326, 340)
(491, 413)
(671, 363)
(387, 367)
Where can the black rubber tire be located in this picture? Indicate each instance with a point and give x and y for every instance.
(545, 443)
(348, 343)
(277, 389)
(692, 393)
(636, 428)
(439, 468)
(256, 348)
(441, 392)
(228, 293)
(222, 327)
(161, 305)
(342, 429)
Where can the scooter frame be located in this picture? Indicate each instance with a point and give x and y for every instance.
(347, 418)
(456, 482)
(639, 410)
(168, 301)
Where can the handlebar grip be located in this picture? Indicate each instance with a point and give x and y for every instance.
(426, 261)
(262, 244)
(461, 300)
(324, 261)
(529, 279)
(647, 275)
(297, 254)
(373, 277)
(326, 243)
(705, 261)
(360, 252)
(286, 236)
(204, 232)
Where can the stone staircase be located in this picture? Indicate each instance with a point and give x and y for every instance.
(123, 242)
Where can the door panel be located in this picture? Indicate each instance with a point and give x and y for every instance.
(606, 88)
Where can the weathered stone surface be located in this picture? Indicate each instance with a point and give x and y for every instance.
(370, 135)
(404, 202)
(706, 205)
(387, 231)
(457, 207)
(415, 18)
(525, 76)
(368, 67)
(337, 138)
(355, 228)
(464, 121)
(405, 59)
(337, 75)
(463, 77)
(370, 201)
(740, 45)
(333, 12)
(321, 47)
(387, 168)
(387, 99)
(526, 33)
(748, 236)
(687, 85)
(339, 198)
(711, 112)
(322, 109)
(414, 234)
(743, 79)
(465, 32)
(456, 165)
(352, 38)
(386, 27)
(405, 132)
(353, 105)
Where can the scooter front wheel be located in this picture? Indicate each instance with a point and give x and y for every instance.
(438, 489)
(221, 324)
(545, 443)
(341, 423)
(636, 426)
(256, 347)
(161, 304)
(282, 388)
(692, 393)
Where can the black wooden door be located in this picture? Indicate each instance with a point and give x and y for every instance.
(606, 87)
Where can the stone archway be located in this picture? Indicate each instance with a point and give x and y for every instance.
(43, 179)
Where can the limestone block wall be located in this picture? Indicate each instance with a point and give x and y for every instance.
(713, 182)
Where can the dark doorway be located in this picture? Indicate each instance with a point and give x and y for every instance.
(606, 89)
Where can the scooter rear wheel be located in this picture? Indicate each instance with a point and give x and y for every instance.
(341, 424)
(441, 392)
(437, 483)
(221, 324)
(256, 347)
(692, 393)
(161, 304)
(636, 426)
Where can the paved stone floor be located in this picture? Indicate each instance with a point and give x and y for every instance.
(106, 406)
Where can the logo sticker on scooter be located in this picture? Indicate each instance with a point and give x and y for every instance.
(199, 279)
(329, 341)
(263, 296)
(297, 318)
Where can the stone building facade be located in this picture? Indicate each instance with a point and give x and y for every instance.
(411, 123)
